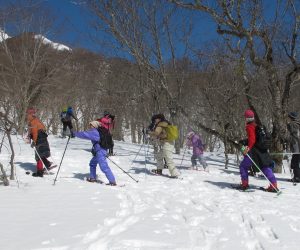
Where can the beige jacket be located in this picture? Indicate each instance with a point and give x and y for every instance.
(160, 131)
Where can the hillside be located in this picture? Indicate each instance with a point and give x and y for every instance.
(199, 211)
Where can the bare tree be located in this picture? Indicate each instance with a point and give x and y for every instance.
(245, 27)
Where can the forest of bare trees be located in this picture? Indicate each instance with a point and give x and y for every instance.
(251, 61)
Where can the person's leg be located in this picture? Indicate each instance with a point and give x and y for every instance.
(202, 161)
(271, 177)
(93, 165)
(269, 174)
(70, 126)
(193, 160)
(244, 168)
(64, 129)
(39, 169)
(101, 158)
(111, 149)
(46, 162)
(160, 158)
(168, 155)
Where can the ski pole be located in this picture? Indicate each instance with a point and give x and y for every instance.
(276, 189)
(183, 155)
(146, 154)
(122, 169)
(137, 155)
(61, 160)
(40, 159)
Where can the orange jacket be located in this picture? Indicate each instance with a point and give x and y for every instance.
(34, 125)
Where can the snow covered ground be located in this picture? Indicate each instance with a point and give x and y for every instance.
(200, 211)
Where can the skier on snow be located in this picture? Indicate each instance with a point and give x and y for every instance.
(37, 133)
(262, 157)
(166, 147)
(99, 153)
(194, 140)
(66, 118)
(294, 140)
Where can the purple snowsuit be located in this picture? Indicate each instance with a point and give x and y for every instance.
(100, 154)
(198, 148)
(247, 163)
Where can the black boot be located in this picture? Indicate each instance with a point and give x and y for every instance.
(157, 171)
(39, 173)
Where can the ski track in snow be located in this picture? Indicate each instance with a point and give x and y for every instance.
(200, 211)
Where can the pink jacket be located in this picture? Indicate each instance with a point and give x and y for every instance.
(106, 122)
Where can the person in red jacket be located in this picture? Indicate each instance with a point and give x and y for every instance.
(261, 158)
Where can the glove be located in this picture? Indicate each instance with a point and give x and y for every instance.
(32, 144)
(245, 150)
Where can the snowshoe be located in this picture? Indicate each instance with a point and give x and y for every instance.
(156, 171)
(89, 179)
(240, 187)
(39, 173)
(111, 184)
(272, 188)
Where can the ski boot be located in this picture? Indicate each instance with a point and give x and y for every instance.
(39, 173)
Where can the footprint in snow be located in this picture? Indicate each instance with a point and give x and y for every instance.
(124, 226)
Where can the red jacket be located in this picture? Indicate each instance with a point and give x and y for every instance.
(251, 135)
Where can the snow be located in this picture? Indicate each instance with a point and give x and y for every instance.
(199, 211)
(57, 46)
(3, 35)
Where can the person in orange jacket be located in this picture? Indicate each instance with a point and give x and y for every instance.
(37, 133)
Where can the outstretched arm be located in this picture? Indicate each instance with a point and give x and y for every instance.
(91, 134)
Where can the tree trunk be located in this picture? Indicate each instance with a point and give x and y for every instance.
(133, 131)
(12, 156)
(4, 176)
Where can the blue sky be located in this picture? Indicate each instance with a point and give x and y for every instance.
(77, 24)
(72, 26)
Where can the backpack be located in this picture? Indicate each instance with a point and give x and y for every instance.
(106, 141)
(63, 116)
(263, 138)
(172, 132)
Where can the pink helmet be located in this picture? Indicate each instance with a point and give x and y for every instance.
(249, 113)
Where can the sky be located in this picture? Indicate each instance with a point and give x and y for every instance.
(73, 27)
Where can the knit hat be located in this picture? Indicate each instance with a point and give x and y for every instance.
(249, 113)
(95, 124)
(190, 134)
(293, 115)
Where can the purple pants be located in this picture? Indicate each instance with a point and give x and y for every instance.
(245, 166)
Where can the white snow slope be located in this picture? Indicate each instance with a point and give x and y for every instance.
(200, 211)
(3, 35)
(57, 46)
